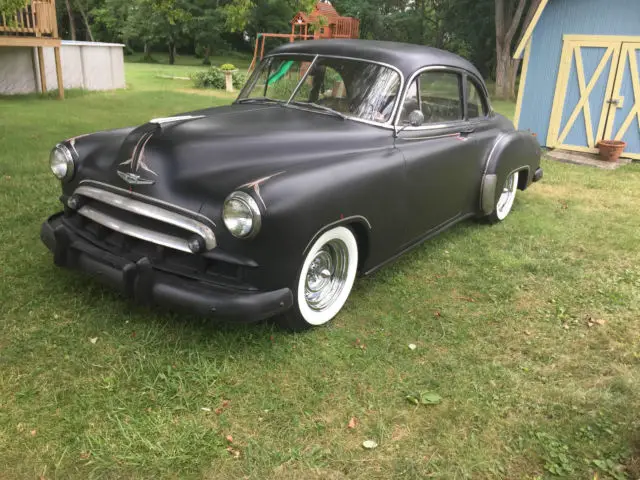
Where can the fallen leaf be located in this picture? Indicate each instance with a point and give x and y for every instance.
(565, 326)
(33, 432)
(437, 314)
(527, 332)
(85, 455)
(205, 409)
(412, 346)
(369, 444)
(600, 321)
(430, 398)
(229, 438)
(93, 340)
(218, 411)
(225, 403)
(412, 399)
(233, 451)
(7, 177)
(352, 423)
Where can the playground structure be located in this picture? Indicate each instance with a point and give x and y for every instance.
(325, 22)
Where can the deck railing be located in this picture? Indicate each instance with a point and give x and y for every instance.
(37, 18)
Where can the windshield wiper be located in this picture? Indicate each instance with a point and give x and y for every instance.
(317, 106)
(258, 100)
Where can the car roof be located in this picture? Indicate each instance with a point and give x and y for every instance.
(405, 57)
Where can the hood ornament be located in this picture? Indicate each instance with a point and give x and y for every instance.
(136, 163)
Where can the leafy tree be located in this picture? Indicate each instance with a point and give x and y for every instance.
(155, 21)
(508, 16)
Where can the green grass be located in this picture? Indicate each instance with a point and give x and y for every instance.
(500, 316)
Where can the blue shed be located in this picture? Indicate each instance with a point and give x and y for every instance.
(580, 81)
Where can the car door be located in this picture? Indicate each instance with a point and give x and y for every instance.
(443, 156)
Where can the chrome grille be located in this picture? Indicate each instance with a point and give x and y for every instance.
(174, 221)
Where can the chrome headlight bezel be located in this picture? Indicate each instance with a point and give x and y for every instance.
(251, 209)
(61, 157)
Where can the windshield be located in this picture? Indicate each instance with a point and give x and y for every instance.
(349, 88)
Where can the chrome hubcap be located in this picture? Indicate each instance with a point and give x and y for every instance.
(326, 275)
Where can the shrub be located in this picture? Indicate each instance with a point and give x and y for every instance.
(228, 66)
(239, 80)
(214, 78)
(210, 78)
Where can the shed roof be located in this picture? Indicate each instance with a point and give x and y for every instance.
(406, 57)
(529, 25)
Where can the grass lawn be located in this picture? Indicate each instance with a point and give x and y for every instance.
(528, 330)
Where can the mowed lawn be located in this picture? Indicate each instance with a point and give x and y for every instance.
(529, 331)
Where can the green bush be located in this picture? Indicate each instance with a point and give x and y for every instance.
(228, 66)
(239, 80)
(210, 78)
(214, 78)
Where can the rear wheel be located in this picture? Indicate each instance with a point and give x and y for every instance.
(325, 280)
(506, 199)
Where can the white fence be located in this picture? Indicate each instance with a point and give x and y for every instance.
(85, 65)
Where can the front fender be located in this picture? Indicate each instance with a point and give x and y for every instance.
(511, 152)
(363, 188)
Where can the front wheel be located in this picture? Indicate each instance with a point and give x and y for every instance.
(325, 280)
(506, 199)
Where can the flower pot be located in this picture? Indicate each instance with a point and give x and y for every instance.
(610, 150)
(228, 79)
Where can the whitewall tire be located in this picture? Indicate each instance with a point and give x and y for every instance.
(325, 280)
(506, 198)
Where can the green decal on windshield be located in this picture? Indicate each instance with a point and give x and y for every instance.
(280, 73)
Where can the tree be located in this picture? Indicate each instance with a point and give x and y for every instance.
(83, 14)
(72, 21)
(154, 21)
(508, 17)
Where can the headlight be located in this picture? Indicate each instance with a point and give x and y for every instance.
(61, 162)
(241, 215)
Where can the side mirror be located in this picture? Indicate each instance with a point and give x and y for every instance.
(416, 118)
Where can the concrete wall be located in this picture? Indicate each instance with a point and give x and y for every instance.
(85, 65)
(583, 17)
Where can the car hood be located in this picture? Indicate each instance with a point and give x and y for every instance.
(206, 154)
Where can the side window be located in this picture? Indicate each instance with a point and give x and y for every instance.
(476, 106)
(410, 102)
(440, 96)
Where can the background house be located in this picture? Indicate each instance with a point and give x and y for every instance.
(580, 81)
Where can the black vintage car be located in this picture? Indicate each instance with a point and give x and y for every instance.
(336, 157)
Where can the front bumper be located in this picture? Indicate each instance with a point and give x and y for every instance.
(146, 284)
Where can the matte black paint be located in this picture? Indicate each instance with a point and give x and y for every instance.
(308, 170)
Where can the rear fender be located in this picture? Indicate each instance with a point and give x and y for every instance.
(512, 152)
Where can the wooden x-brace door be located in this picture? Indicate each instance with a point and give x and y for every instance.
(623, 121)
(597, 94)
(585, 84)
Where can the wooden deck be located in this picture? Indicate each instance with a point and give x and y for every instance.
(35, 25)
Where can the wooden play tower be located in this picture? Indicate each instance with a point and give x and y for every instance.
(323, 21)
(34, 26)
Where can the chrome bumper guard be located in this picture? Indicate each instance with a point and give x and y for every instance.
(146, 210)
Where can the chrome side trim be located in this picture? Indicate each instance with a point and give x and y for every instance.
(133, 230)
(149, 211)
(151, 200)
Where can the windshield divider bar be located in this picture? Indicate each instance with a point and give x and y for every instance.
(304, 77)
